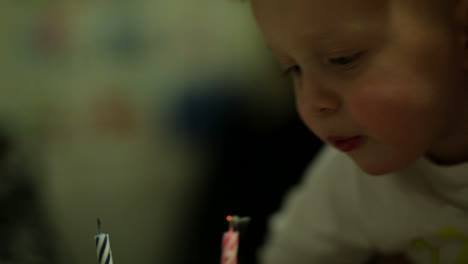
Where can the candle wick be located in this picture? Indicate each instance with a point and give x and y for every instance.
(99, 225)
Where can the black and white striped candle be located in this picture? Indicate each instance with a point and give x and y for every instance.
(103, 249)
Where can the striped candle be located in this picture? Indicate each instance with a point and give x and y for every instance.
(230, 244)
(229, 247)
(103, 249)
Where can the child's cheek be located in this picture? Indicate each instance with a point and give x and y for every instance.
(385, 114)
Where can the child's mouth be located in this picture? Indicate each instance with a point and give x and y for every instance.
(346, 144)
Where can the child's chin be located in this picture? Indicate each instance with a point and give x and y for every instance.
(382, 169)
(379, 164)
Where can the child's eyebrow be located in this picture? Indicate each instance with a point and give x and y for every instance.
(323, 38)
(335, 37)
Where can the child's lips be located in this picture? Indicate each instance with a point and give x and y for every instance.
(346, 144)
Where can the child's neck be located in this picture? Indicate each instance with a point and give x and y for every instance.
(452, 149)
(446, 161)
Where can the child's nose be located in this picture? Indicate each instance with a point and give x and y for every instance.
(318, 99)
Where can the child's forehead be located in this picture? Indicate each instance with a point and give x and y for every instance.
(322, 7)
(323, 10)
(318, 13)
(318, 18)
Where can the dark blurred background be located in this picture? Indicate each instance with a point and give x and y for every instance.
(159, 117)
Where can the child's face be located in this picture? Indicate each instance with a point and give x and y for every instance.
(376, 69)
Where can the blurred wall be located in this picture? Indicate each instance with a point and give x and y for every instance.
(90, 89)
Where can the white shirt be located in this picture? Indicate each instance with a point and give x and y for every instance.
(339, 214)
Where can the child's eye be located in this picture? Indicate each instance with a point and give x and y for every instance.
(292, 71)
(345, 60)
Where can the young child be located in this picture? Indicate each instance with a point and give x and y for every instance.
(384, 82)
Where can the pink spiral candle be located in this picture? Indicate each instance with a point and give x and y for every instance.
(229, 247)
